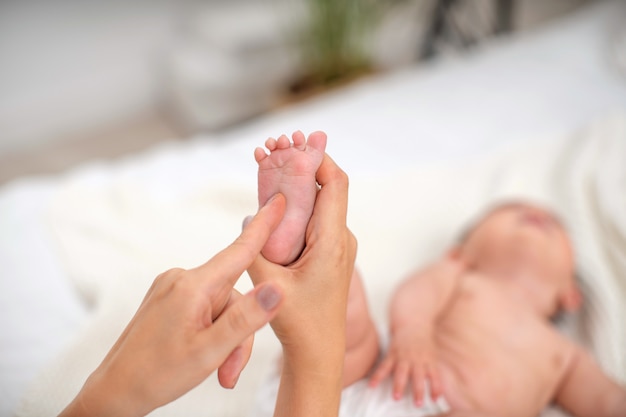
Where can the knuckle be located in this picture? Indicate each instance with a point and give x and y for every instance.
(243, 245)
(170, 273)
(238, 320)
(341, 177)
(166, 279)
(183, 281)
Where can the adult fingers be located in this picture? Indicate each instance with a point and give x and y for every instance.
(228, 265)
(228, 372)
(331, 205)
(237, 323)
(327, 230)
(262, 270)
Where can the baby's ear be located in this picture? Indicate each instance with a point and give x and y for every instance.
(571, 299)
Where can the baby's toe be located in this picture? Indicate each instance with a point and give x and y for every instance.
(259, 154)
(299, 141)
(283, 142)
(270, 144)
(317, 140)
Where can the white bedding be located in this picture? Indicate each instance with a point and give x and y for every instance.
(78, 250)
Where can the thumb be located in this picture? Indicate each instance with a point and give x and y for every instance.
(238, 322)
(261, 270)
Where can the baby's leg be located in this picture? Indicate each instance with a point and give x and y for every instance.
(362, 345)
(290, 169)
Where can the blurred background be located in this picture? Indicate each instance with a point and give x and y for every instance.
(88, 79)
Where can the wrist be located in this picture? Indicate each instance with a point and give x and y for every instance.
(316, 354)
(307, 394)
(422, 329)
(99, 398)
(75, 408)
(311, 382)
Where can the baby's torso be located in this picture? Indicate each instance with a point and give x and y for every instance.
(497, 356)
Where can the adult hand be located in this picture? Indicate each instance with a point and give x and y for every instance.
(311, 323)
(190, 323)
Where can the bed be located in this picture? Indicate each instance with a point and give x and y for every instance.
(540, 115)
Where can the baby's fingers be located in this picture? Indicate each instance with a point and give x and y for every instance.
(418, 383)
(400, 379)
(382, 372)
(434, 378)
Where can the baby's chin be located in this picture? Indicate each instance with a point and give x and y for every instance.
(520, 271)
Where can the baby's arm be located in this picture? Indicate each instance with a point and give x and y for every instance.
(587, 392)
(420, 299)
(416, 305)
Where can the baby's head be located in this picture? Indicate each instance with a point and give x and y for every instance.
(526, 242)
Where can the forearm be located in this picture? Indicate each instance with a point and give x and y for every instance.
(98, 399)
(312, 369)
(311, 382)
(413, 305)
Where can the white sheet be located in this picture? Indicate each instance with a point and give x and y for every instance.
(543, 83)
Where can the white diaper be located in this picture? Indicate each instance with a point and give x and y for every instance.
(359, 400)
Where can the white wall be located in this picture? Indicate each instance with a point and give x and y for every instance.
(69, 66)
(72, 66)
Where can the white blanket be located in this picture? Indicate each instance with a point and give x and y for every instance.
(117, 240)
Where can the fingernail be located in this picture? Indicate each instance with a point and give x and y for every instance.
(268, 297)
(245, 222)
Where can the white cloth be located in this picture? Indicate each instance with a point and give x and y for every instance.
(359, 400)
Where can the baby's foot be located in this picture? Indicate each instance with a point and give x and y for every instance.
(290, 169)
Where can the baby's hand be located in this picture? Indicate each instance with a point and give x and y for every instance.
(412, 359)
